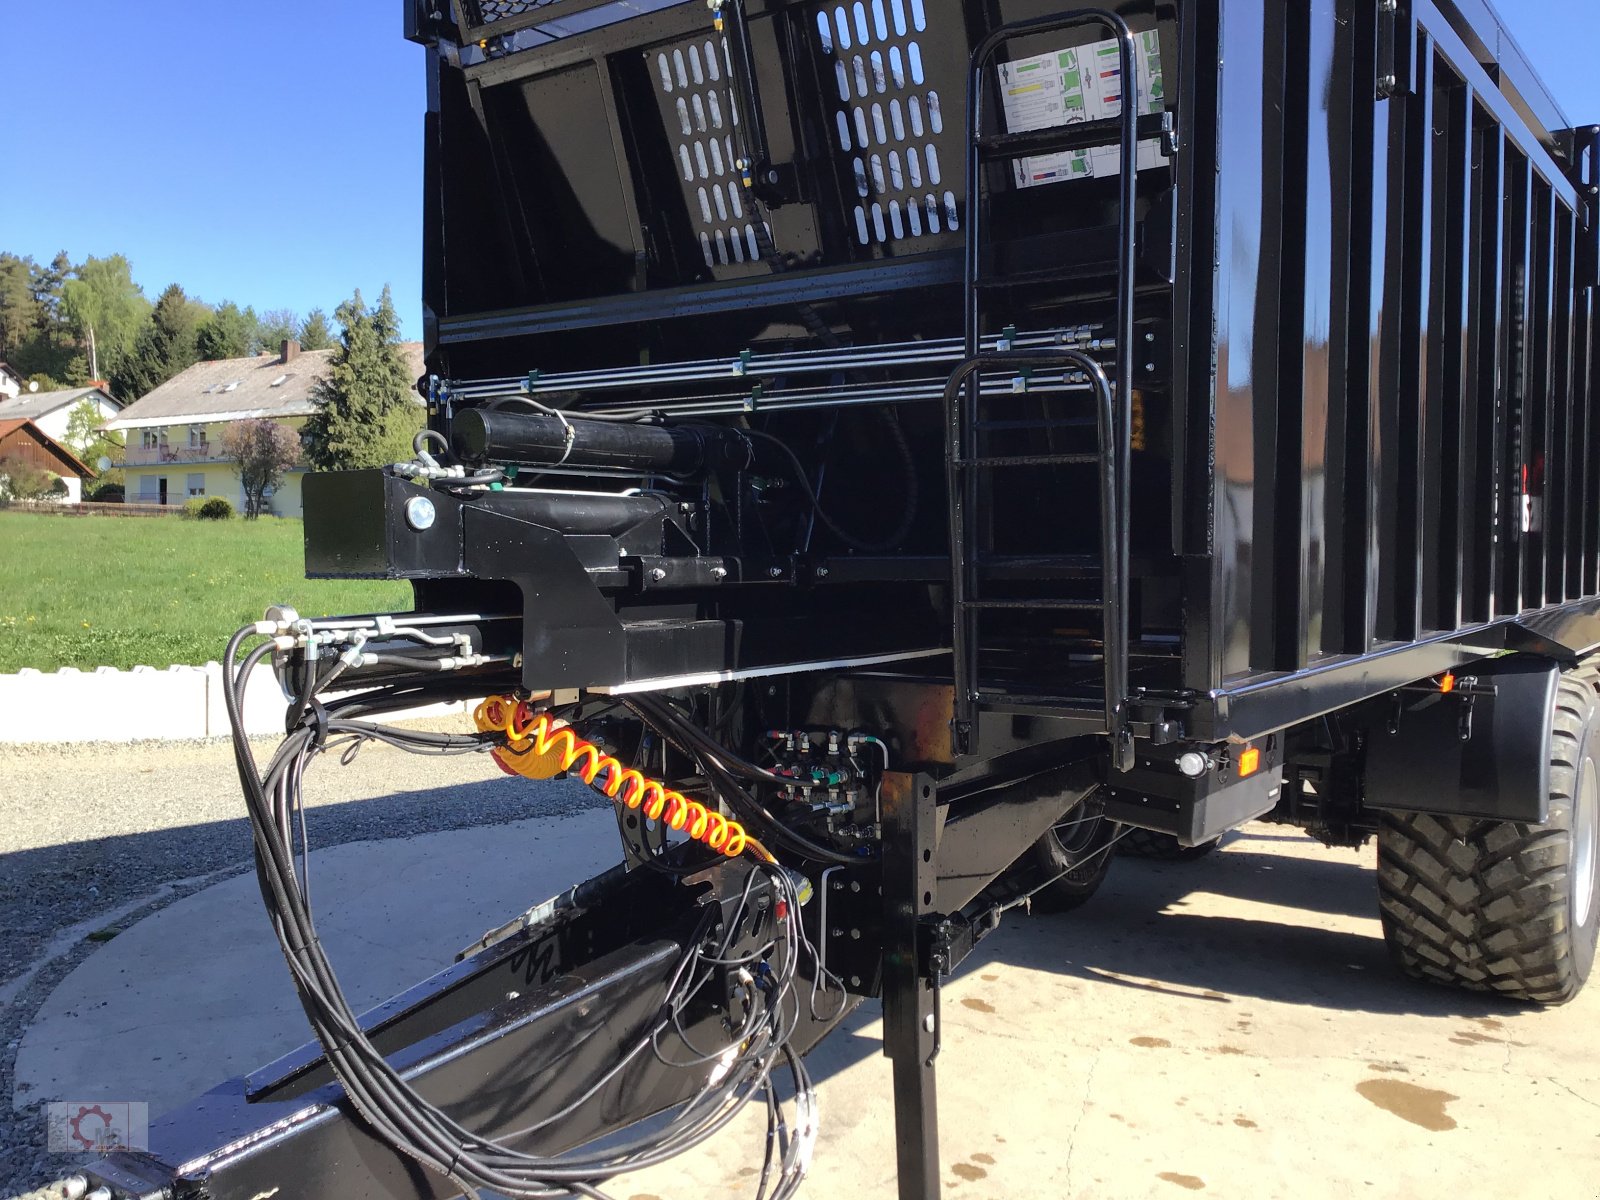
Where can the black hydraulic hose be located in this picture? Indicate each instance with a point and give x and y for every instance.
(908, 513)
(721, 766)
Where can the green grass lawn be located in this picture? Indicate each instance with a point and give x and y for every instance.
(116, 591)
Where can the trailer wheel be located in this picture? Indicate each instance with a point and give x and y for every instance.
(1079, 846)
(1505, 906)
(1163, 847)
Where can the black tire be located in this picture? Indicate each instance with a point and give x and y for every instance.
(1147, 843)
(1079, 851)
(1504, 906)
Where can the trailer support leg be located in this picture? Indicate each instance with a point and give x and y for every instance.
(910, 988)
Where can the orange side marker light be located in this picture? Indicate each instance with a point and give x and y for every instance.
(1249, 761)
(1448, 683)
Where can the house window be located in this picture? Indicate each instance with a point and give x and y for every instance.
(150, 439)
(197, 485)
(197, 437)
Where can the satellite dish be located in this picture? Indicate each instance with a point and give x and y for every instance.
(33, 385)
(102, 463)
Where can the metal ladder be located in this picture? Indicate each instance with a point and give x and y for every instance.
(963, 399)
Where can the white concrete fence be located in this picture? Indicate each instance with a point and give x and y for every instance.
(178, 703)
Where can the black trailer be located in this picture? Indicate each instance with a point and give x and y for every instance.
(828, 426)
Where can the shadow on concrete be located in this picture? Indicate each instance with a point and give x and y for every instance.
(1136, 934)
(43, 889)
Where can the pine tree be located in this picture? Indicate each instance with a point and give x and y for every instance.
(227, 333)
(315, 332)
(168, 344)
(366, 412)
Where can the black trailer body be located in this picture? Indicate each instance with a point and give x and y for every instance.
(1363, 419)
(946, 435)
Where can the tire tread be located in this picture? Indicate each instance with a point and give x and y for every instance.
(1483, 904)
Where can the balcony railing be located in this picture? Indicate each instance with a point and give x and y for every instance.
(154, 456)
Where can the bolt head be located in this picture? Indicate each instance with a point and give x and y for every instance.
(657, 573)
(775, 572)
(420, 513)
(927, 1023)
(719, 572)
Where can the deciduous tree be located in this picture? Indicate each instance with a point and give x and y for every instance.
(105, 308)
(275, 327)
(263, 451)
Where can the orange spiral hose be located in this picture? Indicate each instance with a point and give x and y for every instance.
(539, 748)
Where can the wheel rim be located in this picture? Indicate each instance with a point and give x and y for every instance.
(1585, 832)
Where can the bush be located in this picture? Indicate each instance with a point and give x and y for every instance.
(108, 493)
(192, 506)
(215, 509)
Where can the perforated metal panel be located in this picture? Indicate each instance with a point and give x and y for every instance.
(702, 121)
(898, 114)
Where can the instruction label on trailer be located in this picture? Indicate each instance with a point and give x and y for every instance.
(1070, 87)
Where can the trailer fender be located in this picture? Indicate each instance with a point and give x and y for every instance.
(1469, 745)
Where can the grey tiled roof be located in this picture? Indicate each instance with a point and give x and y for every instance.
(30, 406)
(232, 389)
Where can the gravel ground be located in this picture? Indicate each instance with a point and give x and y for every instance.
(94, 838)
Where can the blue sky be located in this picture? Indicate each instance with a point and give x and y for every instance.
(271, 152)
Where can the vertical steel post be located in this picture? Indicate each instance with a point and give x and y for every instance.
(910, 991)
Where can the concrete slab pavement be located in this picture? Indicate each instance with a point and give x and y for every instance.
(200, 992)
(1230, 1026)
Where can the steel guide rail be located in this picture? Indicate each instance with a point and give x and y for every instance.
(934, 352)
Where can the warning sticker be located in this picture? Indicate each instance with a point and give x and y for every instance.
(1069, 87)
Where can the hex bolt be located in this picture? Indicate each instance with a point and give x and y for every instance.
(512, 995)
(658, 573)
(1387, 83)
(822, 572)
(719, 572)
(927, 1023)
(855, 885)
(775, 572)
(855, 981)
(855, 935)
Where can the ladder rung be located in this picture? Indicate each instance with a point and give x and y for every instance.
(1086, 135)
(1029, 460)
(1069, 605)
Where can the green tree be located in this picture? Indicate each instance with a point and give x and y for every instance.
(105, 309)
(229, 332)
(263, 451)
(48, 283)
(19, 310)
(275, 327)
(84, 438)
(37, 342)
(168, 344)
(21, 480)
(367, 412)
(315, 332)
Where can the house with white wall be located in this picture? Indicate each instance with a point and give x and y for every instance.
(12, 384)
(175, 433)
(52, 411)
